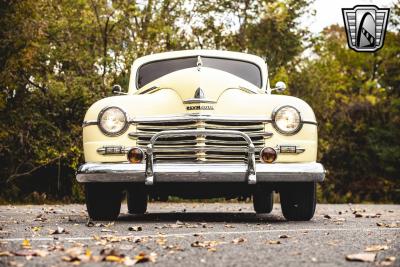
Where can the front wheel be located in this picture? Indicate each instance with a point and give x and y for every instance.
(137, 199)
(298, 201)
(103, 201)
(263, 201)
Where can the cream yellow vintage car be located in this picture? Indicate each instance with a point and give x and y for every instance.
(200, 124)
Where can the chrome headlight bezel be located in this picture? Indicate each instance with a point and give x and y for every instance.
(281, 131)
(108, 133)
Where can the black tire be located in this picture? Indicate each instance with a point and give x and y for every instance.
(103, 201)
(137, 199)
(263, 201)
(298, 201)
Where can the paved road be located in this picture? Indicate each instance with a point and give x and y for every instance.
(196, 234)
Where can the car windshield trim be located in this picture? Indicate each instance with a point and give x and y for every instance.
(205, 59)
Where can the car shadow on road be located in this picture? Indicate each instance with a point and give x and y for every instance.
(237, 217)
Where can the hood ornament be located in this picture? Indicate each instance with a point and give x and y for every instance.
(199, 97)
(199, 94)
(199, 63)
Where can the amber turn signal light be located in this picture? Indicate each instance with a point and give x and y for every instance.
(268, 155)
(135, 155)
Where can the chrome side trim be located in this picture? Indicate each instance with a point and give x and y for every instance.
(126, 172)
(191, 117)
(310, 122)
(251, 162)
(150, 134)
(297, 149)
(195, 116)
(113, 150)
(148, 90)
(88, 123)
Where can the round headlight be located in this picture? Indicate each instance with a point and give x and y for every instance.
(112, 121)
(287, 120)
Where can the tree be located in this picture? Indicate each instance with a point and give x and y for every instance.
(356, 100)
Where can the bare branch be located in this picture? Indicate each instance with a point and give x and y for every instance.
(17, 175)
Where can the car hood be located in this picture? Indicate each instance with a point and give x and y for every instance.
(203, 83)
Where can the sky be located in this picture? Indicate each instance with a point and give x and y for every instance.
(330, 12)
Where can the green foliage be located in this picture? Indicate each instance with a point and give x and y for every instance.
(58, 57)
(355, 97)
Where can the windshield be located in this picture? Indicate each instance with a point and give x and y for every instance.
(243, 69)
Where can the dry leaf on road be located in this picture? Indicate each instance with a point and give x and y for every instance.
(135, 228)
(388, 261)
(57, 231)
(143, 257)
(6, 254)
(35, 252)
(273, 242)
(376, 248)
(363, 257)
(239, 240)
(209, 245)
(26, 244)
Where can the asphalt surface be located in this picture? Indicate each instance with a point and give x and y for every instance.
(198, 234)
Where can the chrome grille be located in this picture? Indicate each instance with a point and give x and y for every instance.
(201, 148)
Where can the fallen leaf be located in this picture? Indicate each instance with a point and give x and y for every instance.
(274, 242)
(113, 258)
(36, 228)
(74, 252)
(143, 257)
(388, 261)
(74, 261)
(135, 228)
(377, 215)
(239, 240)
(109, 224)
(229, 226)
(376, 248)
(40, 218)
(173, 248)
(58, 231)
(6, 254)
(26, 244)
(340, 220)
(31, 253)
(363, 257)
(326, 216)
(387, 225)
(128, 261)
(41, 253)
(284, 236)
(358, 215)
(161, 241)
(206, 244)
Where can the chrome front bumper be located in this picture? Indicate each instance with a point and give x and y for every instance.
(127, 172)
(151, 173)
